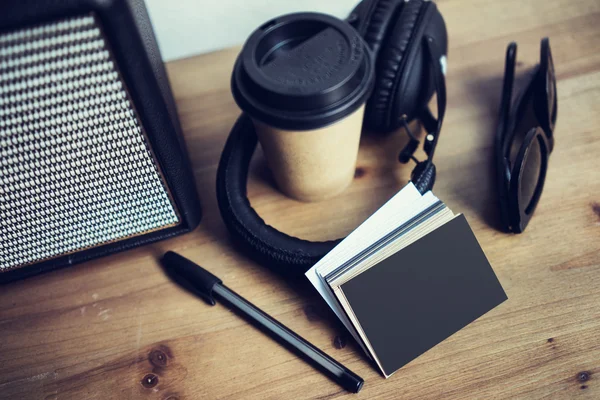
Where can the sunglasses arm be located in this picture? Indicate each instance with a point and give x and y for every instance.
(507, 92)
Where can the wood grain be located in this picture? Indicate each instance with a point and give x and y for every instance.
(118, 328)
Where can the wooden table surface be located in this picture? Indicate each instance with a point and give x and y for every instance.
(118, 328)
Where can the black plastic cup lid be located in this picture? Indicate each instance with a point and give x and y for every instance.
(303, 71)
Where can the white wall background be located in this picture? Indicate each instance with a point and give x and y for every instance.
(188, 27)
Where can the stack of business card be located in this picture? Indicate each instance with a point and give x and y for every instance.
(407, 278)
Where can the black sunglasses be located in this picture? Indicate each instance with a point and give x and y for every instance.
(525, 139)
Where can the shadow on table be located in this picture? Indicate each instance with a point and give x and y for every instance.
(476, 186)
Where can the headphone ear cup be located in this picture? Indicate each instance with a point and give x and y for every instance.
(380, 114)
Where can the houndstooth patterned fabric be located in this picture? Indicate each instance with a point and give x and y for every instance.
(76, 170)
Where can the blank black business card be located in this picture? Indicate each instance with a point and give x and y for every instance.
(426, 292)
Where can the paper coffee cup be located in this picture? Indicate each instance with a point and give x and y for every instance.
(304, 79)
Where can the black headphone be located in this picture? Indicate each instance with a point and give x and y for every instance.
(409, 43)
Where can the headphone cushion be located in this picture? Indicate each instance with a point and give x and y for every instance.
(284, 254)
(389, 66)
(380, 14)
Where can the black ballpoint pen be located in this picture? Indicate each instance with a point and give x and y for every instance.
(210, 287)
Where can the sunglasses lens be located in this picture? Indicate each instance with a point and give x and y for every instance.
(531, 171)
(526, 119)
